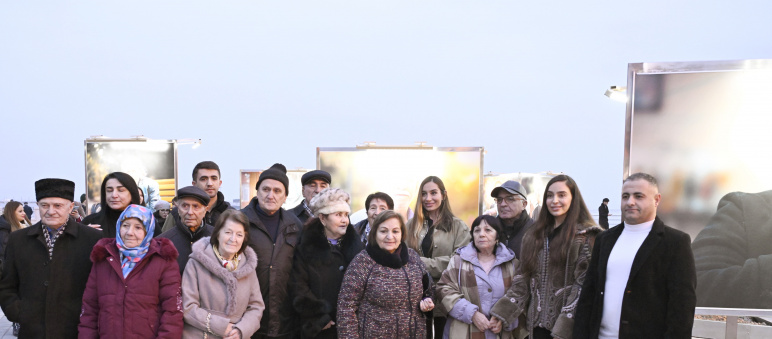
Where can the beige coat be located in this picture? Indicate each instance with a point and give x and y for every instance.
(213, 297)
(445, 245)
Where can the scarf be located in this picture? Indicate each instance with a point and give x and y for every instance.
(51, 238)
(131, 256)
(230, 265)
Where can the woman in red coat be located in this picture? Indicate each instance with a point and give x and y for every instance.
(134, 287)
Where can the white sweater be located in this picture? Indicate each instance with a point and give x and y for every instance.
(620, 261)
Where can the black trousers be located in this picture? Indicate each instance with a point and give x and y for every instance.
(438, 323)
(541, 333)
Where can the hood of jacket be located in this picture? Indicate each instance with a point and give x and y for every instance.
(203, 253)
(106, 247)
(469, 253)
(221, 205)
(316, 248)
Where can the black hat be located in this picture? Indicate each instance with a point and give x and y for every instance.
(193, 192)
(510, 186)
(277, 172)
(54, 188)
(606, 200)
(315, 174)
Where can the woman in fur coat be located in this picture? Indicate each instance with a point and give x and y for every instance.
(220, 293)
(328, 245)
(134, 286)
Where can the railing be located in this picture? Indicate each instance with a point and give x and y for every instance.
(730, 329)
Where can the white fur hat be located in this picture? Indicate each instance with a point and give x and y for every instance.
(330, 200)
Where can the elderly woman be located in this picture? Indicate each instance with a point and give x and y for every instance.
(134, 285)
(328, 245)
(386, 288)
(477, 276)
(220, 292)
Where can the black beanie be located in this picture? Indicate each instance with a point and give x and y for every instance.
(277, 172)
(54, 188)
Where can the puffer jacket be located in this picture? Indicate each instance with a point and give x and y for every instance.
(550, 296)
(142, 305)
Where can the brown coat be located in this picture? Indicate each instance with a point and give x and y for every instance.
(444, 246)
(212, 296)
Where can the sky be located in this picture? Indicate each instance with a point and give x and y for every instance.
(262, 82)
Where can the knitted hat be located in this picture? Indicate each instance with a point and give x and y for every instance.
(315, 174)
(277, 172)
(193, 192)
(161, 205)
(330, 200)
(54, 188)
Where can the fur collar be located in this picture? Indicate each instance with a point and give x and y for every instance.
(204, 254)
(589, 230)
(106, 247)
(399, 258)
(316, 248)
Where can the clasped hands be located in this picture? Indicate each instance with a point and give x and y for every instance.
(482, 323)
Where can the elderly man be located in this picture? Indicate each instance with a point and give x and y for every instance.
(206, 176)
(375, 204)
(47, 265)
(641, 280)
(313, 182)
(191, 204)
(511, 203)
(273, 234)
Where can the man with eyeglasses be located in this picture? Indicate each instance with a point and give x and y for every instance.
(313, 182)
(511, 203)
(42, 288)
(191, 205)
(206, 176)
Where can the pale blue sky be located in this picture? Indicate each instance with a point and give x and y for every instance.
(269, 81)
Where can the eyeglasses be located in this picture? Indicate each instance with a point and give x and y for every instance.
(509, 200)
(164, 210)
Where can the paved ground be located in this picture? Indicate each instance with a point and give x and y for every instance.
(6, 332)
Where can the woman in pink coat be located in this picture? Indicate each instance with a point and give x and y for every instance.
(134, 287)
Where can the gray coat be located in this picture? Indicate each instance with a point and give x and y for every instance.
(213, 297)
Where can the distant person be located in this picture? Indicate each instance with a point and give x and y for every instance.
(191, 202)
(603, 214)
(313, 182)
(141, 197)
(134, 285)
(47, 265)
(641, 280)
(375, 204)
(511, 203)
(118, 191)
(77, 212)
(435, 233)
(162, 210)
(84, 204)
(28, 211)
(733, 253)
(206, 176)
(14, 218)
(273, 235)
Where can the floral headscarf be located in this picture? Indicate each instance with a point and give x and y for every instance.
(131, 256)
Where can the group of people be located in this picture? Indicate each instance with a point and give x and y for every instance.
(261, 272)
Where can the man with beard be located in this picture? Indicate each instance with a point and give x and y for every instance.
(511, 203)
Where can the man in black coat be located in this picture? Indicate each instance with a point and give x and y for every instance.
(192, 202)
(206, 176)
(603, 214)
(313, 182)
(42, 288)
(641, 281)
(510, 203)
(28, 211)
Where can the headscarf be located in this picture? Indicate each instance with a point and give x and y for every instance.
(131, 256)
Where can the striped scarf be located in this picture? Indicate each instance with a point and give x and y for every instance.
(51, 240)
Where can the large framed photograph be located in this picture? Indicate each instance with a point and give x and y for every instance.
(398, 171)
(152, 163)
(702, 129)
(247, 189)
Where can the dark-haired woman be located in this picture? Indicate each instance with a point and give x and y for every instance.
(386, 289)
(220, 292)
(435, 233)
(118, 191)
(328, 245)
(555, 256)
(13, 219)
(477, 276)
(134, 285)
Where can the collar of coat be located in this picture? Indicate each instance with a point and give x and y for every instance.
(204, 254)
(399, 258)
(315, 247)
(106, 248)
(221, 205)
(286, 224)
(469, 253)
(72, 228)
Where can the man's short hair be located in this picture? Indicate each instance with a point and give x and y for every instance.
(643, 176)
(606, 200)
(210, 165)
(381, 196)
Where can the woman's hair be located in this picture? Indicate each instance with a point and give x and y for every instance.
(235, 216)
(380, 219)
(416, 225)
(533, 240)
(141, 194)
(493, 222)
(125, 180)
(10, 215)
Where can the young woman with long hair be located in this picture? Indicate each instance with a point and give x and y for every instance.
(435, 233)
(13, 219)
(555, 256)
